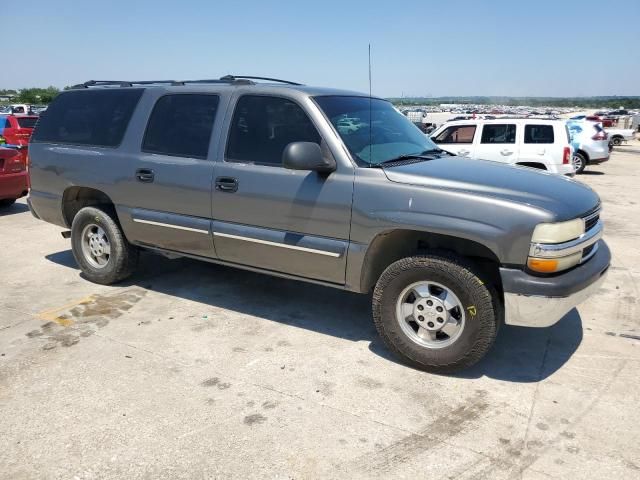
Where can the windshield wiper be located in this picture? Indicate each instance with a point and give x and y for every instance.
(426, 155)
(437, 150)
(402, 158)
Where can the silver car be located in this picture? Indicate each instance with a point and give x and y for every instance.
(590, 143)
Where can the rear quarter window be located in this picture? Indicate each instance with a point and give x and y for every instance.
(88, 117)
(538, 134)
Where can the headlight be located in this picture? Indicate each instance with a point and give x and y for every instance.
(558, 232)
(553, 234)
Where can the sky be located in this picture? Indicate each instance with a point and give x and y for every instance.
(419, 48)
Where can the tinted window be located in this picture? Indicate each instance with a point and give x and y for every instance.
(538, 134)
(88, 117)
(459, 134)
(263, 126)
(180, 125)
(498, 134)
(27, 122)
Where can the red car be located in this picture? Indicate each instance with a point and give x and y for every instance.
(17, 129)
(14, 178)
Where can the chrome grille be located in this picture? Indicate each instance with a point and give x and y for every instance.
(591, 220)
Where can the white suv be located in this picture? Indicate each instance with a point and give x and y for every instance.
(528, 142)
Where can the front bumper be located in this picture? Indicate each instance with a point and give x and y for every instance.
(531, 301)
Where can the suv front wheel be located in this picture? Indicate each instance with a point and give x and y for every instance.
(100, 248)
(436, 312)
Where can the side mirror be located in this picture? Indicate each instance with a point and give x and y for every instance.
(307, 156)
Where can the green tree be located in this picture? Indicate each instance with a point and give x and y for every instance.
(37, 95)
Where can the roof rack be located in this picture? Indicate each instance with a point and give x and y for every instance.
(248, 77)
(233, 79)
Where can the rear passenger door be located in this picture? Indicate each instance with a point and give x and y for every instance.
(538, 146)
(266, 216)
(498, 143)
(457, 139)
(168, 182)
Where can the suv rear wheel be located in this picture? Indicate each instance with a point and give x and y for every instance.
(579, 162)
(435, 312)
(102, 252)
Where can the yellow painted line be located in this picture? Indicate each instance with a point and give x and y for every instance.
(53, 314)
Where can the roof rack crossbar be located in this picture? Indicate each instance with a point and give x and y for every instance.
(236, 79)
(249, 77)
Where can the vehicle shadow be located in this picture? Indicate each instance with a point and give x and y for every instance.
(13, 209)
(526, 355)
(592, 172)
(519, 355)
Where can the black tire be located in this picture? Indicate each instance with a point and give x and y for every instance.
(7, 202)
(480, 301)
(579, 162)
(123, 258)
(616, 141)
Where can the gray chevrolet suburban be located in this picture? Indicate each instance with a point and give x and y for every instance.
(332, 187)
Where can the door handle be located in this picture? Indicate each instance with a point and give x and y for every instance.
(506, 152)
(144, 175)
(227, 184)
(463, 153)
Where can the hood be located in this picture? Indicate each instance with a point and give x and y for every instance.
(559, 195)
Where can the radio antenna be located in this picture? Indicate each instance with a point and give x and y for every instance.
(370, 108)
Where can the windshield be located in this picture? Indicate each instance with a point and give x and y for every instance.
(373, 130)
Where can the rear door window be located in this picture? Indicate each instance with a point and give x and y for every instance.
(498, 133)
(263, 126)
(88, 117)
(457, 134)
(27, 122)
(181, 125)
(538, 134)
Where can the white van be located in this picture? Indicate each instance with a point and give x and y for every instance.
(529, 142)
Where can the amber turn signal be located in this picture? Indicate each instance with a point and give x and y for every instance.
(543, 265)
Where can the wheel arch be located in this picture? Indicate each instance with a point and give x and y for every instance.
(77, 197)
(390, 246)
(584, 154)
